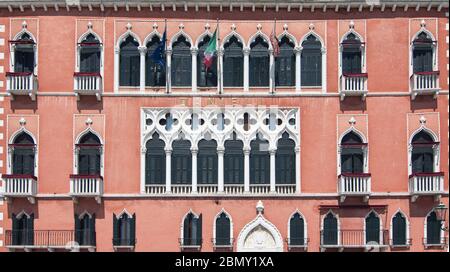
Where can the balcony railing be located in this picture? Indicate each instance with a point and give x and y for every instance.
(423, 83)
(299, 243)
(354, 184)
(155, 189)
(212, 189)
(354, 85)
(234, 189)
(16, 185)
(47, 239)
(222, 242)
(21, 84)
(86, 186)
(426, 184)
(352, 239)
(259, 188)
(87, 84)
(207, 188)
(442, 242)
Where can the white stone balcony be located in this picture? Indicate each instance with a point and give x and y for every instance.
(86, 186)
(87, 84)
(425, 83)
(423, 184)
(353, 85)
(21, 84)
(16, 185)
(354, 184)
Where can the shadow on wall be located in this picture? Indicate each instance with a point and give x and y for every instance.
(423, 102)
(89, 103)
(353, 103)
(22, 102)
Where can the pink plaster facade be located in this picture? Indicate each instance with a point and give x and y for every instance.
(387, 118)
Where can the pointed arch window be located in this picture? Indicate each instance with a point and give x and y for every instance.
(124, 230)
(433, 230)
(192, 230)
(23, 155)
(259, 161)
(155, 73)
(423, 50)
(285, 63)
(85, 229)
(90, 54)
(297, 230)
(22, 230)
(352, 154)
(206, 77)
(24, 54)
(89, 155)
(259, 61)
(181, 162)
(129, 63)
(155, 161)
(234, 161)
(223, 230)
(181, 63)
(351, 55)
(372, 228)
(285, 160)
(233, 63)
(311, 62)
(330, 230)
(399, 230)
(207, 162)
(422, 155)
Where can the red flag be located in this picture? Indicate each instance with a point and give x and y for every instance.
(274, 42)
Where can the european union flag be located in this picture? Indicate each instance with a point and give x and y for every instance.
(158, 55)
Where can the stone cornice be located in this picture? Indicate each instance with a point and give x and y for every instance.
(238, 5)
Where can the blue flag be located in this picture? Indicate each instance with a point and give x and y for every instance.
(158, 55)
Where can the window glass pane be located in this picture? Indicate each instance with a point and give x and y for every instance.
(129, 63)
(233, 63)
(259, 63)
(181, 63)
(285, 63)
(207, 162)
(181, 162)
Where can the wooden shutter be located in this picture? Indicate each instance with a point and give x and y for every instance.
(15, 230)
(297, 230)
(234, 162)
(372, 229)
(92, 236)
(132, 240)
(223, 230)
(198, 240)
(259, 63)
(17, 162)
(330, 230)
(207, 162)
(78, 230)
(181, 162)
(433, 230)
(398, 230)
(30, 230)
(285, 161)
(116, 236)
(90, 60)
(259, 163)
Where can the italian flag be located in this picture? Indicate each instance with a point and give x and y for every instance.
(210, 50)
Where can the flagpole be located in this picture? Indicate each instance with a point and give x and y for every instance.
(165, 52)
(219, 70)
(274, 58)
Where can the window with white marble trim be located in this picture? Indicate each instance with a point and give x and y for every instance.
(218, 150)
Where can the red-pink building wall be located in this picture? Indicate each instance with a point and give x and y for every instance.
(387, 117)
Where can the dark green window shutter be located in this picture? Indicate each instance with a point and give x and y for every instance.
(206, 77)
(233, 63)
(116, 237)
(399, 230)
(181, 162)
(297, 230)
(181, 63)
(30, 230)
(433, 229)
(24, 55)
(78, 230)
(372, 228)
(311, 62)
(259, 62)
(129, 74)
(259, 162)
(285, 161)
(155, 74)
(207, 162)
(234, 162)
(132, 221)
(92, 236)
(198, 241)
(155, 161)
(223, 230)
(330, 230)
(89, 158)
(15, 230)
(285, 63)
(187, 226)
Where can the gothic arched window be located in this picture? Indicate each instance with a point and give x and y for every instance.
(181, 62)
(233, 63)
(259, 62)
(155, 74)
(130, 63)
(285, 63)
(311, 62)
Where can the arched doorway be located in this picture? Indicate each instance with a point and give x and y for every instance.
(260, 235)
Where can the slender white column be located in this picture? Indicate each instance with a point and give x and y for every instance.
(324, 70)
(116, 68)
(272, 170)
(194, 52)
(220, 70)
(297, 170)
(246, 170)
(220, 166)
(271, 71)
(298, 71)
(168, 71)
(194, 170)
(142, 52)
(168, 170)
(246, 68)
(143, 152)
